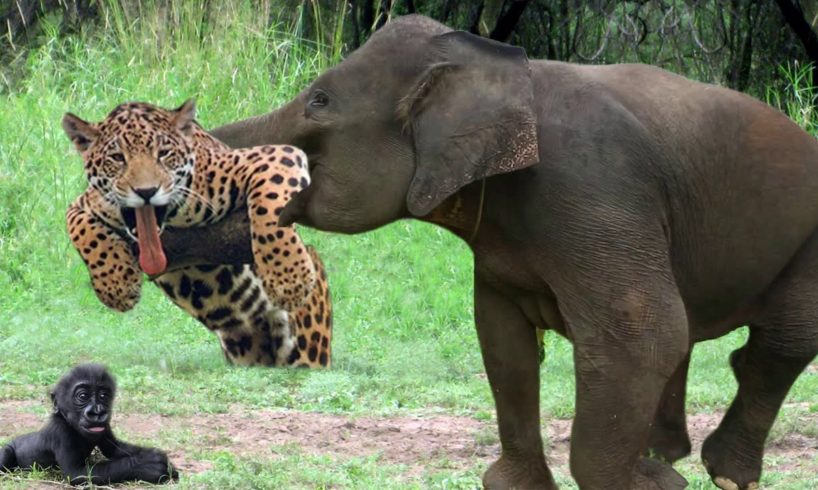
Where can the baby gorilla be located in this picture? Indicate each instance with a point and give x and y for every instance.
(81, 421)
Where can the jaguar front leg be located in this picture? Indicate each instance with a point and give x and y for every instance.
(114, 270)
(274, 175)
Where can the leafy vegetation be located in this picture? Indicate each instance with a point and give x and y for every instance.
(735, 43)
(404, 341)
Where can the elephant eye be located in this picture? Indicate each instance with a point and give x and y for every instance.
(319, 99)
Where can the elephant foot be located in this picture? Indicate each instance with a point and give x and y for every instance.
(506, 473)
(728, 484)
(652, 474)
(669, 445)
(728, 470)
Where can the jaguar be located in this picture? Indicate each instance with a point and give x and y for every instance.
(149, 168)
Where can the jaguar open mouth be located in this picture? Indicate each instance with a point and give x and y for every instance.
(129, 216)
(144, 224)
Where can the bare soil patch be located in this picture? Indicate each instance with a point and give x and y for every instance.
(412, 441)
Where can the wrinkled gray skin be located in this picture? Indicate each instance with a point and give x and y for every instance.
(631, 210)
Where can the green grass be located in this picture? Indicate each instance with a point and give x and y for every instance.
(404, 340)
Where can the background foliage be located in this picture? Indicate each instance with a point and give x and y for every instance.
(738, 43)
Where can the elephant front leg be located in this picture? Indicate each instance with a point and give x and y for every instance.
(508, 343)
(626, 349)
(669, 439)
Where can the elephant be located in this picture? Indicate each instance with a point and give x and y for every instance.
(631, 210)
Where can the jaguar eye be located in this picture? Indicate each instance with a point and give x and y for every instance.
(118, 157)
(163, 153)
(319, 99)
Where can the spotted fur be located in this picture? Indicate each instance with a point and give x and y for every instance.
(276, 311)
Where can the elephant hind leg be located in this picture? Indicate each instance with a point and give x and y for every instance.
(733, 453)
(783, 341)
(669, 439)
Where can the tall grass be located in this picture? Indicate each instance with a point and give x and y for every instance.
(799, 97)
(235, 58)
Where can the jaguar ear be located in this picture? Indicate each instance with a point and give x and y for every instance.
(185, 116)
(81, 133)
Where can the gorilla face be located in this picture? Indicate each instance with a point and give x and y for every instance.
(84, 398)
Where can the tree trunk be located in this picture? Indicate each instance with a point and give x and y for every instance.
(386, 7)
(474, 24)
(20, 17)
(794, 16)
(368, 16)
(356, 25)
(508, 20)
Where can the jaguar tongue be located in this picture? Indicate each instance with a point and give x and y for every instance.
(151, 256)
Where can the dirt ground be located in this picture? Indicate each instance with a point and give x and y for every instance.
(411, 441)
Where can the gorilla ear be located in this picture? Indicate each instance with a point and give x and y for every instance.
(184, 116)
(471, 116)
(53, 395)
(81, 133)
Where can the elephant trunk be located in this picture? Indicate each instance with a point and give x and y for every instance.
(262, 130)
(181, 245)
(254, 131)
(227, 241)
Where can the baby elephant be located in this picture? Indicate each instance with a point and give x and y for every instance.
(83, 402)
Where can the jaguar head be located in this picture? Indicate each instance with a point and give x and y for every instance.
(141, 159)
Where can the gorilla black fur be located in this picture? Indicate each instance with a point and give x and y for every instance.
(83, 401)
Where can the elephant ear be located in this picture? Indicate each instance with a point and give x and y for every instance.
(471, 116)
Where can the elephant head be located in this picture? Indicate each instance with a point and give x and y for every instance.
(404, 122)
